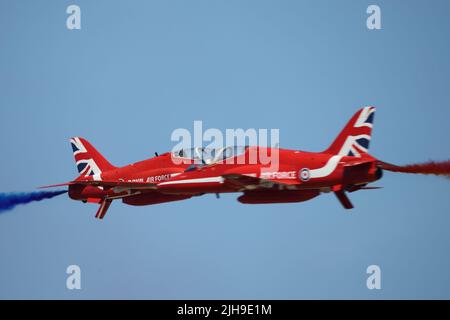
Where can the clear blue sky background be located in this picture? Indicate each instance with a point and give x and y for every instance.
(139, 69)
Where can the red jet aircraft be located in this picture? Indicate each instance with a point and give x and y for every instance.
(344, 167)
(136, 184)
(299, 176)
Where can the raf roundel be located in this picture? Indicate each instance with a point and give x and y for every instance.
(304, 174)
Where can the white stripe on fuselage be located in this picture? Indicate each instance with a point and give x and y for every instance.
(327, 169)
(198, 180)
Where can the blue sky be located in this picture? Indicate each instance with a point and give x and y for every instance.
(137, 70)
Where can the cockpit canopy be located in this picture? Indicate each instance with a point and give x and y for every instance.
(209, 155)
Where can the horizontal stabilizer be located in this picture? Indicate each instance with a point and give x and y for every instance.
(361, 187)
(108, 184)
(56, 185)
(371, 188)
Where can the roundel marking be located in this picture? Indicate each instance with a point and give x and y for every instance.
(304, 174)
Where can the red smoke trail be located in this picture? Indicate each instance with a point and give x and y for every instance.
(438, 168)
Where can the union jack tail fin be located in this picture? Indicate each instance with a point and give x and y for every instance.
(89, 161)
(354, 139)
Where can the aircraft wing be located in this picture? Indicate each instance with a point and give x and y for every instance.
(108, 184)
(251, 182)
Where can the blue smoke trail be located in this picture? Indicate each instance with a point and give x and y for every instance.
(9, 200)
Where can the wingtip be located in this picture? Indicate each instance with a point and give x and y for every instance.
(56, 185)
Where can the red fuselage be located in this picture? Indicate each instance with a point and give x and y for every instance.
(154, 170)
(322, 172)
(262, 175)
(261, 183)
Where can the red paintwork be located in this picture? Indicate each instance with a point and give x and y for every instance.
(114, 182)
(152, 198)
(285, 196)
(298, 175)
(290, 161)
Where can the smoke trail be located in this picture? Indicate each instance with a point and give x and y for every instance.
(9, 200)
(438, 168)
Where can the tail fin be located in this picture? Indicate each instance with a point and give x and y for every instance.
(89, 161)
(355, 137)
